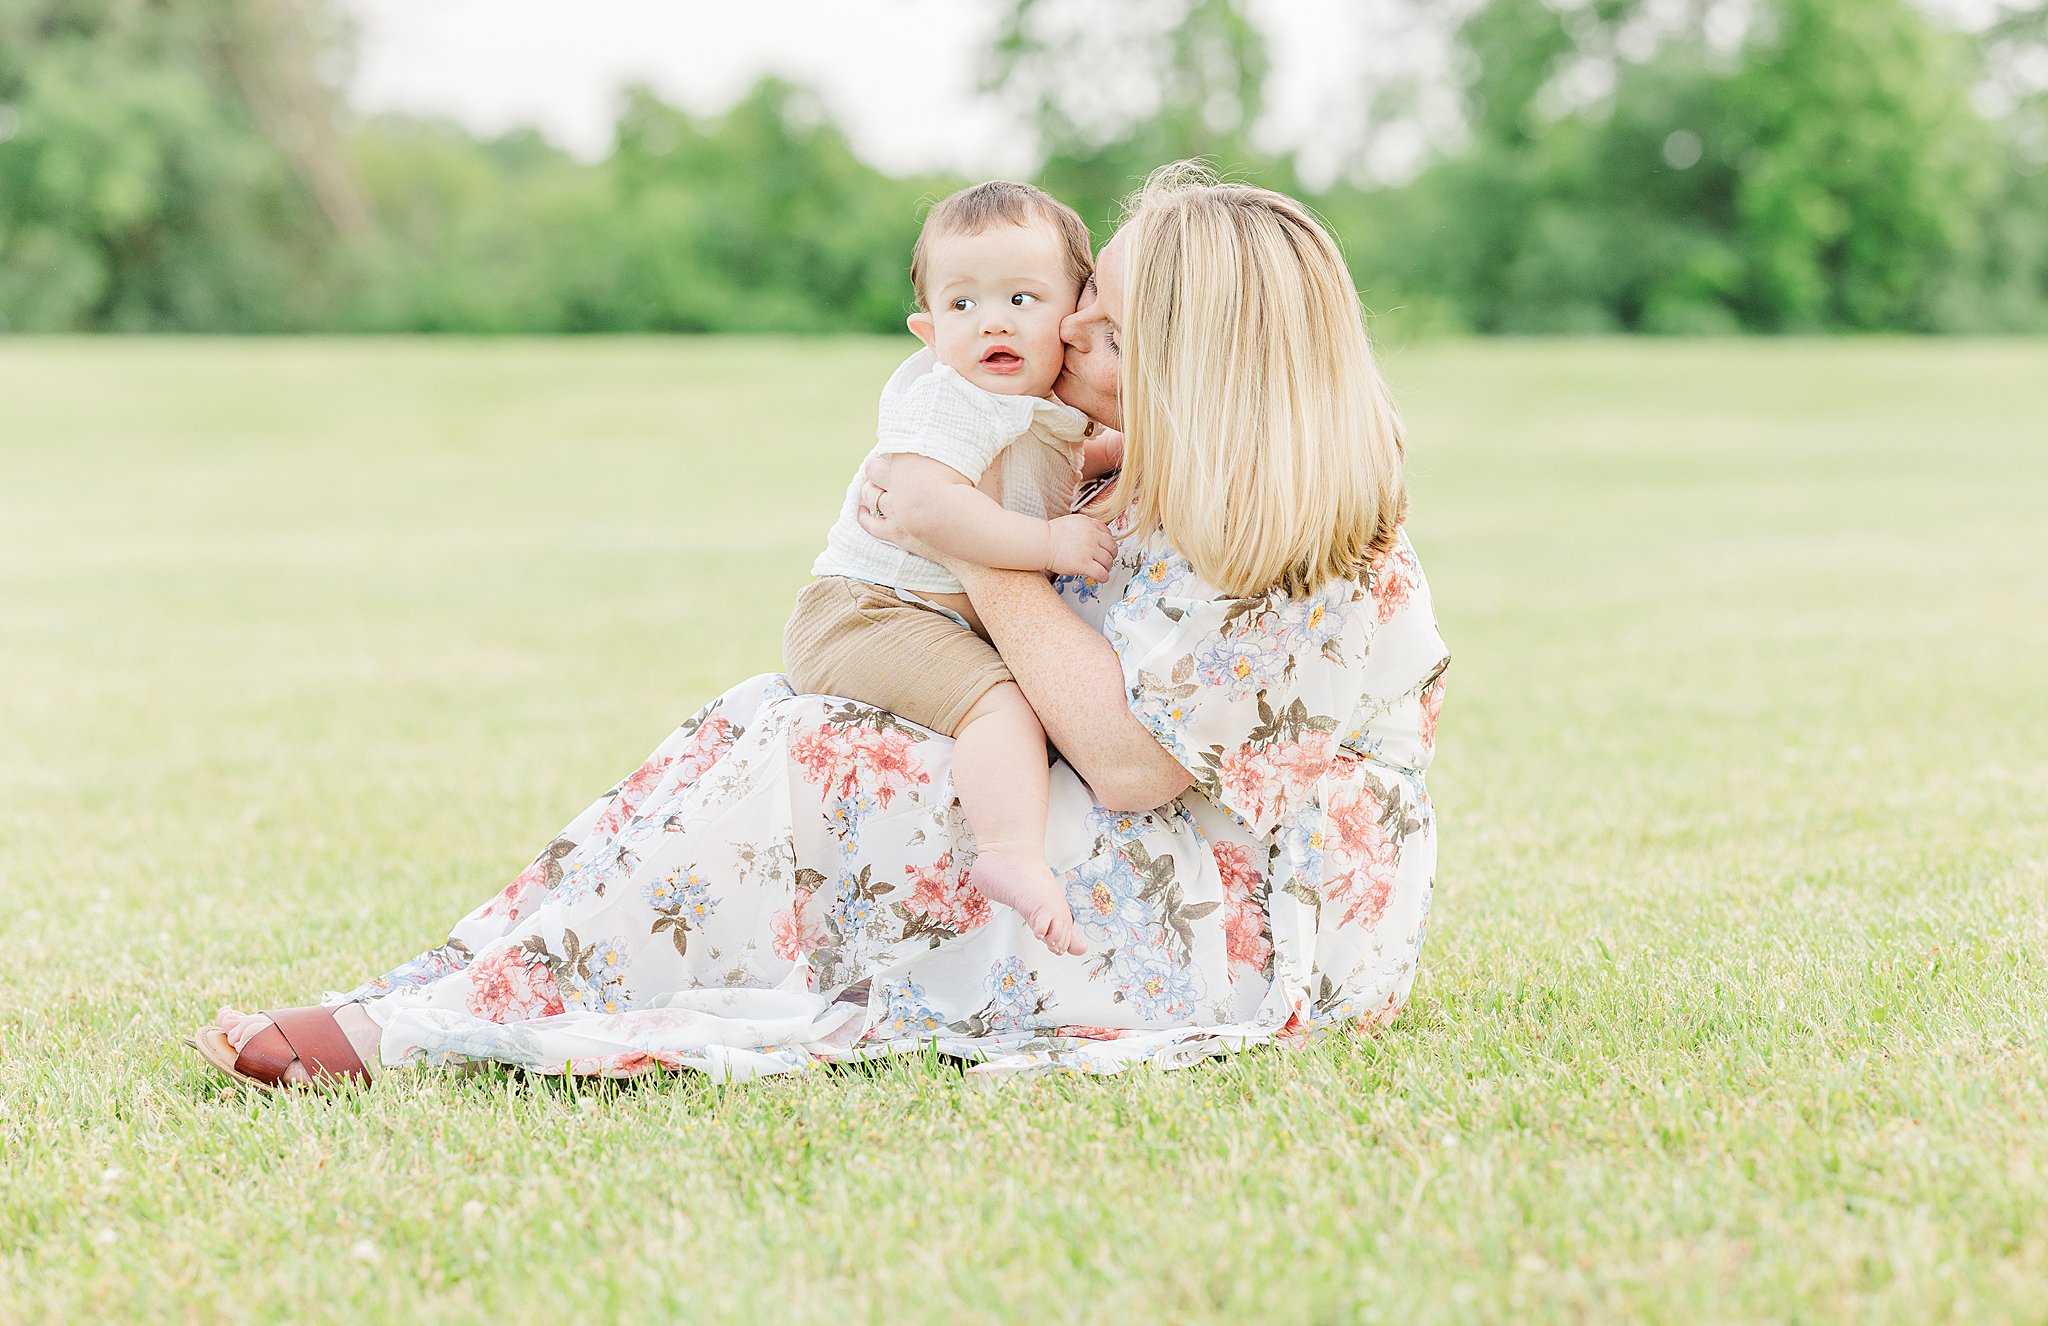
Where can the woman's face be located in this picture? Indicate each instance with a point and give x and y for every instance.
(1088, 381)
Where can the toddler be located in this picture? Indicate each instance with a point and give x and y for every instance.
(996, 268)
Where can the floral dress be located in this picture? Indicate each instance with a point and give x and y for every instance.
(784, 881)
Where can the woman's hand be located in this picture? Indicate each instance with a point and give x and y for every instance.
(885, 521)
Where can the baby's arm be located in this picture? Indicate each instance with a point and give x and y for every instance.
(942, 508)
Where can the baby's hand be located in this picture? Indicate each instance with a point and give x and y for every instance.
(1080, 547)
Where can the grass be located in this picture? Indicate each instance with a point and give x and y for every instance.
(1734, 1007)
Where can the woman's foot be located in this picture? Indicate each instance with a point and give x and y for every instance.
(1019, 878)
(273, 1058)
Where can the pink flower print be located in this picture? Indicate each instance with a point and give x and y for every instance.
(845, 759)
(1262, 781)
(1300, 764)
(513, 986)
(708, 744)
(1432, 705)
(512, 901)
(631, 793)
(1080, 1032)
(1360, 857)
(1244, 920)
(1250, 783)
(822, 753)
(1392, 576)
(792, 934)
(1381, 1017)
(886, 756)
(942, 894)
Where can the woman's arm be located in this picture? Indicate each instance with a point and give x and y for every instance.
(1067, 670)
(1072, 677)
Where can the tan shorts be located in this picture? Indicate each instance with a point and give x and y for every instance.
(850, 638)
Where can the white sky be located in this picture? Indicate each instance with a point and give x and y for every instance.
(898, 75)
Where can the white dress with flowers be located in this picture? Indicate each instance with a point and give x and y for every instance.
(783, 882)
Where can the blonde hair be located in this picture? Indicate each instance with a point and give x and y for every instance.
(1258, 433)
(982, 207)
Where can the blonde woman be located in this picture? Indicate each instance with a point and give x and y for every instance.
(1244, 710)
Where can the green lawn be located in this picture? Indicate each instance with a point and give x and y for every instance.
(1733, 1008)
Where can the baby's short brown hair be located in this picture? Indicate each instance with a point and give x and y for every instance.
(1002, 203)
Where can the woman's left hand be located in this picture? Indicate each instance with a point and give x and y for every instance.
(879, 517)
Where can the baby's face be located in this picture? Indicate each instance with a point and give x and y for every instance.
(996, 301)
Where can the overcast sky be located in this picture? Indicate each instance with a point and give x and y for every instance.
(898, 75)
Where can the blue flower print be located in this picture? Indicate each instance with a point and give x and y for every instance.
(1307, 625)
(1152, 982)
(846, 816)
(1163, 573)
(1013, 993)
(698, 904)
(904, 1012)
(671, 889)
(1243, 663)
(1103, 893)
(585, 874)
(853, 910)
(604, 989)
(1301, 845)
(1166, 719)
(1119, 826)
(1077, 589)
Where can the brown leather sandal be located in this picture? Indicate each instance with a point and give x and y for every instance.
(310, 1035)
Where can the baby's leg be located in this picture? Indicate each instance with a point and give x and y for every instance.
(1000, 773)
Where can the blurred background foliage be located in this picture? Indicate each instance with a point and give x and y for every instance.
(1667, 166)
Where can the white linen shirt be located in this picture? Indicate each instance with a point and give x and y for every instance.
(927, 409)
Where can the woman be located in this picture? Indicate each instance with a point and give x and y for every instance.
(1244, 711)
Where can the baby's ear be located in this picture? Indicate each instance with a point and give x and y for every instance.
(920, 324)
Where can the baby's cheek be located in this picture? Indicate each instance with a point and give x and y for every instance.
(958, 353)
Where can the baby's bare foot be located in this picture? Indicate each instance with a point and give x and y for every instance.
(1019, 878)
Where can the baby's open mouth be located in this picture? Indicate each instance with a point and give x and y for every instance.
(1002, 361)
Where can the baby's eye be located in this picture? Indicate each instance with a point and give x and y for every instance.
(962, 304)
(1022, 300)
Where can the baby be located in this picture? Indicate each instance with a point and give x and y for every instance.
(995, 269)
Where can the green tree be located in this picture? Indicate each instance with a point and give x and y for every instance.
(1189, 82)
(139, 188)
(1864, 170)
(1830, 174)
(763, 218)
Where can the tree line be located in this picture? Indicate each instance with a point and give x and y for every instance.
(1620, 166)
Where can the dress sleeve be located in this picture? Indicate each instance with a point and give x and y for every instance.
(1249, 694)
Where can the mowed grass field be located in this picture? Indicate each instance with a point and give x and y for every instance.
(1733, 1008)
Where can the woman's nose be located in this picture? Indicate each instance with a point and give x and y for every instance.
(1074, 329)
